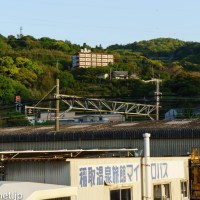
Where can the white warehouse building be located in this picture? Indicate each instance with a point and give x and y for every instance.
(108, 178)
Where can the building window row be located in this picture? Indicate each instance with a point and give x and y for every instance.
(163, 191)
(160, 192)
(86, 55)
(96, 60)
(89, 59)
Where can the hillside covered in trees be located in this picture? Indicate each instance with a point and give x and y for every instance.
(29, 67)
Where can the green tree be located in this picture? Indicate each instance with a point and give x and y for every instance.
(7, 66)
(26, 77)
(47, 43)
(29, 42)
(61, 45)
(7, 90)
(66, 79)
(28, 64)
(4, 48)
(184, 84)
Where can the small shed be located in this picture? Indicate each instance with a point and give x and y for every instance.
(120, 74)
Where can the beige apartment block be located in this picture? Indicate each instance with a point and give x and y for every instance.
(86, 59)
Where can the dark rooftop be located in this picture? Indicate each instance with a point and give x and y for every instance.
(85, 131)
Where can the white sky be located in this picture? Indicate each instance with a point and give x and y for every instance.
(104, 22)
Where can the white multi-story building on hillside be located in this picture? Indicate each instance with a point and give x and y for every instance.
(86, 59)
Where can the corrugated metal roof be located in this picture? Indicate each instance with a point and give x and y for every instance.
(106, 131)
(64, 154)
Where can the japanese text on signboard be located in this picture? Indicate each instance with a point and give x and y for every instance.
(167, 170)
(97, 175)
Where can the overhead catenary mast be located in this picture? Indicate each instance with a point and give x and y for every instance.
(157, 94)
(57, 106)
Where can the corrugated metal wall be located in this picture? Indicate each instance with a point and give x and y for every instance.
(42, 172)
(172, 142)
(159, 147)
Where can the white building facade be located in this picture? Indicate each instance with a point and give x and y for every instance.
(86, 59)
(109, 178)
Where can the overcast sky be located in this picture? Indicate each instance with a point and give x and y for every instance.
(104, 22)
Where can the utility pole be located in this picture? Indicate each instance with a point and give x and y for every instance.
(57, 106)
(157, 94)
(110, 74)
(57, 64)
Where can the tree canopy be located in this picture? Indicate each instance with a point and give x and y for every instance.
(29, 67)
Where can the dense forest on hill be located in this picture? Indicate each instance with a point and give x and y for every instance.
(29, 67)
